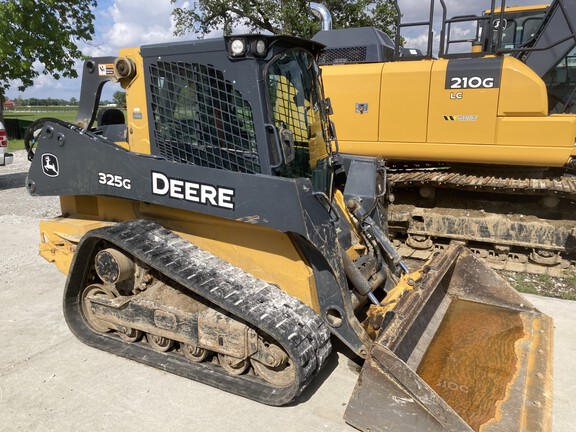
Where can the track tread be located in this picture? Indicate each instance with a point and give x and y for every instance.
(564, 186)
(513, 181)
(295, 326)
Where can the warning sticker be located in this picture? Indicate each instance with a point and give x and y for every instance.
(105, 69)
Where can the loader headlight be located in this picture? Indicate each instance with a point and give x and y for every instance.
(260, 48)
(237, 47)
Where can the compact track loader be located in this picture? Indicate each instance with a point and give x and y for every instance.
(213, 233)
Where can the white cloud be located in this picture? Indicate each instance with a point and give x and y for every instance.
(127, 23)
(119, 24)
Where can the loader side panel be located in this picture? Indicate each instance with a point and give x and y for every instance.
(265, 253)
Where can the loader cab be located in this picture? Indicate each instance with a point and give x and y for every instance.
(299, 115)
(196, 103)
(205, 109)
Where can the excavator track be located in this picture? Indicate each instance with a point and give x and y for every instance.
(562, 186)
(520, 221)
(262, 308)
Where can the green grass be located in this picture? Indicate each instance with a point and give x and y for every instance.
(18, 144)
(68, 116)
(564, 287)
(15, 144)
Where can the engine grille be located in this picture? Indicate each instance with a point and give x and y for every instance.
(342, 55)
(200, 119)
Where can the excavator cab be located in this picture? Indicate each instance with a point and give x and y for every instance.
(222, 239)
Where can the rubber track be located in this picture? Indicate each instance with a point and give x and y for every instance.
(295, 326)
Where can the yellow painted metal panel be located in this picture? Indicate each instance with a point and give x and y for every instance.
(264, 252)
(59, 236)
(540, 141)
(136, 106)
(404, 101)
(347, 86)
(535, 8)
(463, 116)
(522, 91)
(464, 153)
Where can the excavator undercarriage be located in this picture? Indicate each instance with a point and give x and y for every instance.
(433, 207)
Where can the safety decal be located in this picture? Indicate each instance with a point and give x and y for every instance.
(105, 69)
(465, 118)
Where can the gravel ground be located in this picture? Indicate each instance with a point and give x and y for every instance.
(17, 206)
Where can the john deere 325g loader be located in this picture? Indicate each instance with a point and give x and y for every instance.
(212, 231)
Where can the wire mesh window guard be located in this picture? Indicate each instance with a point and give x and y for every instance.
(200, 119)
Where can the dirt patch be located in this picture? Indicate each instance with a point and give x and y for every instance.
(557, 287)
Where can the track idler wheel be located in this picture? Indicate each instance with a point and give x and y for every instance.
(91, 291)
(276, 367)
(159, 343)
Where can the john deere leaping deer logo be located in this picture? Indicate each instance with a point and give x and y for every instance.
(50, 165)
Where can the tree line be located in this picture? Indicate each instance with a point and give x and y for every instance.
(118, 99)
(36, 102)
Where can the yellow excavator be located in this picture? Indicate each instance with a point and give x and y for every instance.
(473, 153)
(542, 36)
(211, 231)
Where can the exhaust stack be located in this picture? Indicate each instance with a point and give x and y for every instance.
(323, 14)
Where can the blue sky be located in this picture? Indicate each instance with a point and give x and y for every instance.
(126, 23)
(118, 24)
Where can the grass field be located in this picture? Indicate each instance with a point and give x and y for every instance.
(15, 144)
